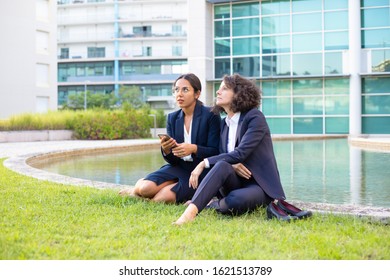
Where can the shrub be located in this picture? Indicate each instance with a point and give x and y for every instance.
(110, 125)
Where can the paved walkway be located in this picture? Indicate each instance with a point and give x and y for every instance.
(18, 154)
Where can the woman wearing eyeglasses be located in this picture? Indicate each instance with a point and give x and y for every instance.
(193, 135)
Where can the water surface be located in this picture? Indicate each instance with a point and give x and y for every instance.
(321, 171)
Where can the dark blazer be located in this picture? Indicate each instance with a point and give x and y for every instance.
(254, 149)
(205, 133)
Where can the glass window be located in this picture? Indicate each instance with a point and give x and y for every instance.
(306, 22)
(336, 40)
(279, 125)
(376, 85)
(222, 11)
(244, 27)
(336, 125)
(376, 125)
(222, 67)
(337, 105)
(276, 106)
(376, 104)
(380, 60)
(275, 25)
(336, 20)
(276, 88)
(222, 47)
(222, 28)
(376, 38)
(247, 66)
(307, 42)
(245, 9)
(307, 125)
(333, 5)
(333, 63)
(276, 65)
(80, 70)
(336, 86)
(276, 44)
(307, 105)
(307, 87)
(272, 7)
(306, 5)
(307, 64)
(244, 46)
(376, 17)
(373, 3)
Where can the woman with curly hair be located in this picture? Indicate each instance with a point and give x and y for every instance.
(244, 175)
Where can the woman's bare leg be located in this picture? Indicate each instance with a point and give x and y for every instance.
(144, 188)
(188, 216)
(165, 195)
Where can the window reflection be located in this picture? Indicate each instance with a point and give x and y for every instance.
(247, 66)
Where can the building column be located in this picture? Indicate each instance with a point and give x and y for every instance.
(200, 45)
(355, 54)
(116, 48)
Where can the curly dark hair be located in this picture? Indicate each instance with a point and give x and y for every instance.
(246, 94)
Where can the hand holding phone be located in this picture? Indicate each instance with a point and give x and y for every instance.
(162, 135)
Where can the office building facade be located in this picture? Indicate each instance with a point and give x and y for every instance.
(28, 57)
(323, 65)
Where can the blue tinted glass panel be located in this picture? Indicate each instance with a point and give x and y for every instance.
(336, 86)
(245, 9)
(376, 85)
(222, 28)
(307, 42)
(376, 125)
(374, 3)
(221, 11)
(307, 125)
(376, 104)
(336, 125)
(244, 27)
(245, 46)
(307, 64)
(276, 106)
(275, 25)
(333, 5)
(222, 67)
(276, 88)
(306, 5)
(336, 40)
(333, 63)
(272, 7)
(377, 38)
(307, 106)
(247, 66)
(279, 125)
(307, 87)
(222, 47)
(307, 22)
(376, 17)
(276, 65)
(337, 105)
(336, 20)
(380, 61)
(276, 44)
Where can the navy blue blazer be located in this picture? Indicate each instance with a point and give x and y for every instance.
(254, 149)
(205, 133)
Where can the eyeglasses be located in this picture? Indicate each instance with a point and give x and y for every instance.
(177, 90)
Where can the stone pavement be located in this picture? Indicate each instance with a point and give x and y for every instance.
(18, 155)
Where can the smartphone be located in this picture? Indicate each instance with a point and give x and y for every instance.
(161, 135)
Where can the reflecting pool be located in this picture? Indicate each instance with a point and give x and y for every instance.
(321, 171)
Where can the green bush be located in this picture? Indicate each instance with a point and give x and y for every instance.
(110, 125)
(97, 124)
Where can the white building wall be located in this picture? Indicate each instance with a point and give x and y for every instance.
(28, 56)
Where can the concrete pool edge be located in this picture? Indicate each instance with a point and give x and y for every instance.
(21, 164)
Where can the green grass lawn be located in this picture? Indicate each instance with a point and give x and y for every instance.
(43, 220)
